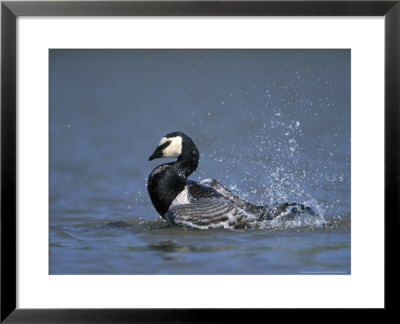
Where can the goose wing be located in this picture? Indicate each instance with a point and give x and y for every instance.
(212, 188)
(209, 212)
(213, 205)
(259, 211)
(198, 190)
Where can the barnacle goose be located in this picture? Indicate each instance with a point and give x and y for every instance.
(206, 204)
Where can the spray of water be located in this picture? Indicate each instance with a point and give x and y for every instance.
(278, 171)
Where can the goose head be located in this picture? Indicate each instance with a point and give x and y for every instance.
(176, 145)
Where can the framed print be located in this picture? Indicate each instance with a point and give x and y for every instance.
(291, 106)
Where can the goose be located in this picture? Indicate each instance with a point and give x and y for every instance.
(206, 204)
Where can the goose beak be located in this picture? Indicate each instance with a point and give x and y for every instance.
(157, 154)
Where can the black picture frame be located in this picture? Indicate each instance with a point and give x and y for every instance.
(10, 10)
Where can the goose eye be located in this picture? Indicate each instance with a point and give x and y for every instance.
(164, 145)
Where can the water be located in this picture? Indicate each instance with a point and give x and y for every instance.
(272, 125)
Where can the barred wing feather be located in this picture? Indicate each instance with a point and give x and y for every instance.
(209, 213)
(260, 211)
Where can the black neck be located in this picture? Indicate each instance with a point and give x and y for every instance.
(186, 165)
(166, 184)
(168, 180)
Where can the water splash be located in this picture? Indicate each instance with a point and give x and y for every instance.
(300, 221)
(277, 169)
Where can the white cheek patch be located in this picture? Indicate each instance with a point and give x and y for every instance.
(174, 149)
